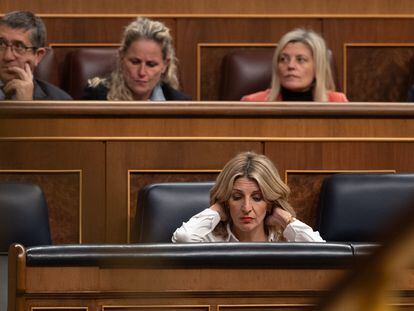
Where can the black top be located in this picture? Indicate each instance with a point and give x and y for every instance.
(100, 92)
(291, 96)
(410, 95)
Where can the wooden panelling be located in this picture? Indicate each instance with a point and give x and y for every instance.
(62, 190)
(389, 78)
(340, 32)
(93, 280)
(304, 196)
(91, 30)
(156, 308)
(264, 7)
(264, 307)
(119, 147)
(350, 155)
(134, 289)
(104, 284)
(67, 307)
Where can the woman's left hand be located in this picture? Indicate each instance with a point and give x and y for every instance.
(279, 217)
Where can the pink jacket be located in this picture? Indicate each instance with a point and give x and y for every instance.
(262, 97)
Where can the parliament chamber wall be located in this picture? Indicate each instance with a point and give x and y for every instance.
(91, 158)
(92, 166)
(372, 41)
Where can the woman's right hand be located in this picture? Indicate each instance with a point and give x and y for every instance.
(219, 209)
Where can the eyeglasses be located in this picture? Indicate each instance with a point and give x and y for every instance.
(17, 47)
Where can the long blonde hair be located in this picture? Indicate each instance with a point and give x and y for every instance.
(323, 74)
(141, 28)
(255, 167)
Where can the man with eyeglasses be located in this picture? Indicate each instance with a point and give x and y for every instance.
(22, 47)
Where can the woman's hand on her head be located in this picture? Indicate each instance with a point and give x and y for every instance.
(279, 217)
(219, 209)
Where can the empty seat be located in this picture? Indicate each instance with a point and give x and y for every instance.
(163, 207)
(362, 207)
(245, 72)
(24, 215)
(24, 219)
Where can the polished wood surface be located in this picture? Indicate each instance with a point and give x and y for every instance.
(191, 7)
(107, 151)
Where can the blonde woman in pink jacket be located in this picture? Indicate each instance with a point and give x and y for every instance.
(301, 71)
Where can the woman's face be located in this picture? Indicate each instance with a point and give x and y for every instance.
(142, 67)
(247, 210)
(295, 68)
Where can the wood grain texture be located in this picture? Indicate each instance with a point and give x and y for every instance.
(305, 188)
(187, 141)
(74, 31)
(339, 32)
(157, 308)
(264, 7)
(113, 288)
(389, 77)
(175, 289)
(350, 155)
(339, 122)
(64, 191)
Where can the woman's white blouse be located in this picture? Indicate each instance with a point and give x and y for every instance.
(200, 229)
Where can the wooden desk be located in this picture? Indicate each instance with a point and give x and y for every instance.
(144, 277)
(91, 158)
(148, 278)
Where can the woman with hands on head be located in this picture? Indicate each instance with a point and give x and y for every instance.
(301, 71)
(248, 204)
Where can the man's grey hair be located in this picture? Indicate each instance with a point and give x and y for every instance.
(28, 21)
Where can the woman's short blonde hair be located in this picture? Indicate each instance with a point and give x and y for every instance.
(323, 74)
(142, 28)
(254, 167)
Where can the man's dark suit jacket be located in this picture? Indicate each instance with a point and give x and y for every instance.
(46, 91)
